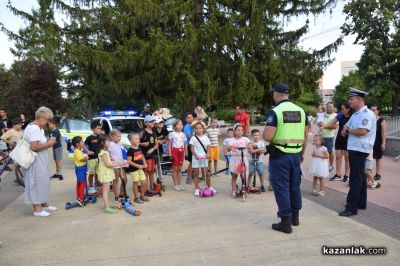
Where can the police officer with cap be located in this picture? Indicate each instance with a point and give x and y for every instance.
(146, 110)
(361, 130)
(286, 131)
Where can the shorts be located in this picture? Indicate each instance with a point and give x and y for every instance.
(202, 163)
(57, 154)
(235, 161)
(93, 166)
(189, 155)
(369, 165)
(178, 156)
(328, 143)
(259, 166)
(341, 144)
(137, 175)
(80, 172)
(377, 152)
(151, 165)
(214, 153)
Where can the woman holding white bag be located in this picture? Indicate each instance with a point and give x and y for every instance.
(37, 175)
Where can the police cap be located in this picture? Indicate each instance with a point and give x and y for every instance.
(280, 87)
(355, 92)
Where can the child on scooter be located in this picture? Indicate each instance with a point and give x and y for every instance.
(148, 142)
(177, 148)
(80, 169)
(256, 158)
(234, 146)
(106, 172)
(199, 144)
(137, 163)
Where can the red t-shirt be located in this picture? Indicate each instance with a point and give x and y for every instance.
(242, 118)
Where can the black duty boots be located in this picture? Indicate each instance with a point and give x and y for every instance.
(284, 225)
(295, 218)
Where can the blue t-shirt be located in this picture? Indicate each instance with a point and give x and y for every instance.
(56, 134)
(188, 130)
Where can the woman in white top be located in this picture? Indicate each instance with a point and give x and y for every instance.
(37, 176)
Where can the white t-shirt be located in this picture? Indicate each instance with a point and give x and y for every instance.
(256, 157)
(178, 139)
(239, 142)
(198, 149)
(226, 144)
(34, 133)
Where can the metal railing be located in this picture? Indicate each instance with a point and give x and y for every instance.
(393, 126)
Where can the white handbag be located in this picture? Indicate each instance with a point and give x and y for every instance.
(22, 154)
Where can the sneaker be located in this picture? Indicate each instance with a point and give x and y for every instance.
(110, 210)
(60, 177)
(377, 177)
(182, 187)
(197, 192)
(213, 190)
(80, 203)
(54, 176)
(144, 198)
(378, 185)
(270, 188)
(117, 199)
(345, 178)
(148, 194)
(262, 189)
(335, 177)
(321, 193)
(189, 181)
(177, 188)
(233, 194)
(138, 201)
(330, 168)
(92, 190)
(43, 213)
(50, 208)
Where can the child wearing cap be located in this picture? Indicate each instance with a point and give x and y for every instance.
(148, 142)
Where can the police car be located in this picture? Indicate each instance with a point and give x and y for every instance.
(125, 121)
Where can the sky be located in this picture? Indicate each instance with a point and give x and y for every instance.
(323, 30)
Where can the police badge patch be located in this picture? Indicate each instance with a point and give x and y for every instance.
(364, 122)
(270, 119)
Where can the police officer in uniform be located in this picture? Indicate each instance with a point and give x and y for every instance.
(286, 131)
(361, 130)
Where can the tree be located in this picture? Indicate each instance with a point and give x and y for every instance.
(341, 95)
(377, 26)
(35, 84)
(216, 53)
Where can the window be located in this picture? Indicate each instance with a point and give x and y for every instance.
(127, 125)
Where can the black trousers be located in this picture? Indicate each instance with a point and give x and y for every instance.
(357, 196)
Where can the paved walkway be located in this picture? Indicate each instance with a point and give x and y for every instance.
(180, 229)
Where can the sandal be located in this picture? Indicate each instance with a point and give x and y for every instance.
(321, 193)
(110, 210)
(233, 194)
(314, 193)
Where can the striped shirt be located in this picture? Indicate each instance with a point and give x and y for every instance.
(213, 134)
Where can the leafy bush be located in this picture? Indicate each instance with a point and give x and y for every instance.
(224, 114)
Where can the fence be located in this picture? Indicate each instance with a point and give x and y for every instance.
(393, 126)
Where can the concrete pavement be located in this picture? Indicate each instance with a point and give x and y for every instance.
(179, 229)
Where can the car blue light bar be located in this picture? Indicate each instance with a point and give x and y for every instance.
(112, 113)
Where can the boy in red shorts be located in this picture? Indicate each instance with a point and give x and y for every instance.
(148, 142)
